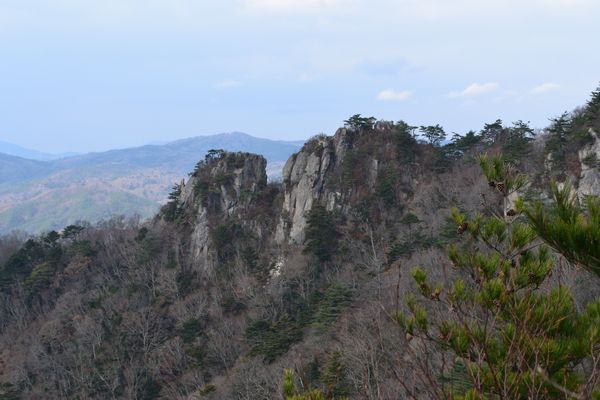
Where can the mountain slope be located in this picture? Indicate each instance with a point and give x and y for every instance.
(15, 150)
(125, 181)
(16, 169)
(238, 278)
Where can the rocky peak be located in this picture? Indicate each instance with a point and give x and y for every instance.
(223, 180)
(222, 186)
(311, 176)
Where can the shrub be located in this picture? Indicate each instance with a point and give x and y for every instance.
(591, 160)
(235, 160)
(271, 340)
(224, 238)
(291, 393)
(197, 354)
(150, 247)
(331, 306)
(191, 329)
(335, 377)
(224, 179)
(40, 278)
(354, 168)
(202, 191)
(410, 219)
(232, 305)
(32, 253)
(321, 236)
(316, 145)
(83, 247)
(151, 389)
(9, 392)
(186, 281)
(386, 187)
(417, 241)
(141, 234)
(251, 259)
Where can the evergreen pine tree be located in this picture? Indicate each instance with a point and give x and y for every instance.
(434, 134)
(592, 107)
(569, 228)
(514, 340)
(172, 209)
(492, 132)
(558, 138)
(517, 144)
(359, 123)
(321, 236)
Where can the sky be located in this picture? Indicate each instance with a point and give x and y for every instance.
(87, 75)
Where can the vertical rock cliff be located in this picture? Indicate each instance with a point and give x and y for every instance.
(314, 176)
(224, 186)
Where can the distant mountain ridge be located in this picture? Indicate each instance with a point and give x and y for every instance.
(41, 195)
(19, 151)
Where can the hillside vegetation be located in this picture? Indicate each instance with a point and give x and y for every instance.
(242, 288)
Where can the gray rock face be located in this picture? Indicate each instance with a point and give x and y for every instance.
(589, 157)
(314, 175)
(238, 173)
(237, 176)
(305, 181)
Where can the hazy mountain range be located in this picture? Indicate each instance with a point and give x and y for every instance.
(16, 150)
(40, 191)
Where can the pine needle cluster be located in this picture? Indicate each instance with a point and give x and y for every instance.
(514, 334)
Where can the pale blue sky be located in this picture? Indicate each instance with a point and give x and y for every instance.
(82, 75)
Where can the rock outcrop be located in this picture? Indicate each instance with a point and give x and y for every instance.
(589, 157)
(224, 187)
(304, 179)
(312, 176)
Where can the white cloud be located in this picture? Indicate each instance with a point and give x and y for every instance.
(228, 84)
(544, 87)
(476, 89)
(393, 95)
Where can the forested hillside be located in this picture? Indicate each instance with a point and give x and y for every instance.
(241, 288)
